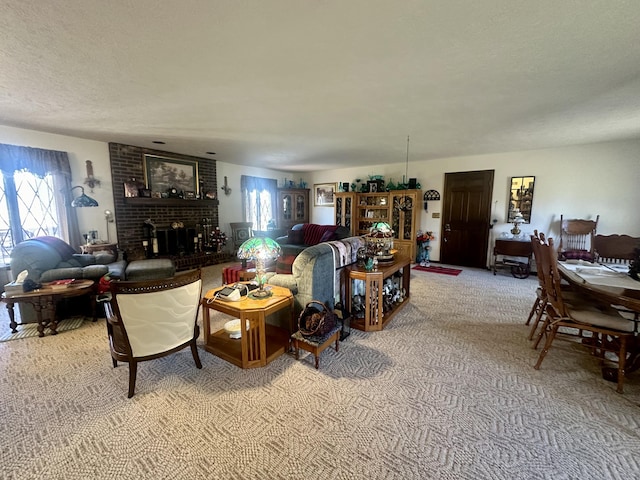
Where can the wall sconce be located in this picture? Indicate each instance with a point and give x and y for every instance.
(83, 200)
(108, 216)
(225, 187)
(90, 180)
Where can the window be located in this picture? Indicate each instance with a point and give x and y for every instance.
(35, 186)
(259, 200)
(28, 203)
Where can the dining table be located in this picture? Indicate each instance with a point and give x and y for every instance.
(608, 283)
(611, 284)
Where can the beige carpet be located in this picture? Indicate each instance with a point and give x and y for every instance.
(447, 391)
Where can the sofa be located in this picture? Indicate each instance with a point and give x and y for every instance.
(49, 258)
(315, 272)
(304, 235)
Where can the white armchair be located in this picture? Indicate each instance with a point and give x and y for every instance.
(153, 318)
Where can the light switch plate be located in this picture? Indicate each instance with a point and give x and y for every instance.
(435, 215)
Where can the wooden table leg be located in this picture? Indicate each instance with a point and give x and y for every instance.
(12, 319)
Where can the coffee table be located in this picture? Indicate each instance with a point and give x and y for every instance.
(260, 342)
(45, 299)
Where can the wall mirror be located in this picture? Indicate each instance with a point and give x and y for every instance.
(521, 197)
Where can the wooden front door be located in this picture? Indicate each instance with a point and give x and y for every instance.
(466, 218)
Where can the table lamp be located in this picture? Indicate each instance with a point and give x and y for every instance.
(518, 219)
(261, 250)
(380, 241)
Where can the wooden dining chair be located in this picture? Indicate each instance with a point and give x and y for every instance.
(153, 318)
(615, 248)
(540, 304)
(577, 239)
(610, 331)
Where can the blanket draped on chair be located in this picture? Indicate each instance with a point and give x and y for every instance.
(345, 252)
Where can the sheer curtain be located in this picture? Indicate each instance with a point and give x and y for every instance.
(258, 200)
(41, 163)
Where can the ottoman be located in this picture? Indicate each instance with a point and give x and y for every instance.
(151, 269)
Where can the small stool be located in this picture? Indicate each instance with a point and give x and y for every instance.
(151, 269)
(315, 344)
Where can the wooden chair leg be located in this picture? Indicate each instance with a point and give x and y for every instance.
(534, 309)
(622, 359)
(133, 370)
(114, 361)
(337, 342)
(547, 346)
(194, 352)
(537, 321)
(317, 360)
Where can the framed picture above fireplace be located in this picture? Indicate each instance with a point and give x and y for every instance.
(163, 173)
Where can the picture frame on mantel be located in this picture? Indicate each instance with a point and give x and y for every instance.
(323, 194)
(162, 173)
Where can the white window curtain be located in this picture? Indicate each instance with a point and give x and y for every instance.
(258, 200)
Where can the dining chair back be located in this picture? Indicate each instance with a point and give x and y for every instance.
(615, 248)
(577, 238)
(153, 318)
(610, 332)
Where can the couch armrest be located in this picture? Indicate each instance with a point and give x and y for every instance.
(283, 240)
(283, 280)
(117, 270)
(84, 259)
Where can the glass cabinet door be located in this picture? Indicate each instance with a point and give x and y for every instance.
(287, 207)
(300, 208)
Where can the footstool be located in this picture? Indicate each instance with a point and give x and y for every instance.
(315, 344)
(150, 269)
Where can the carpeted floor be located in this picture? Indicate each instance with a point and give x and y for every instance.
(447, 391)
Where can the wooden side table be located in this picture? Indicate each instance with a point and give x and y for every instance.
(375, 316)
(260, 342)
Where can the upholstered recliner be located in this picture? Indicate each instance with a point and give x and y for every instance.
(315, 272)
(49, 258)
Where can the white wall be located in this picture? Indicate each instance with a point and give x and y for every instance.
(79, 151)
(578, 182)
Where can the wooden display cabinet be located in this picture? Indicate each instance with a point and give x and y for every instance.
(371, 208)
(405, 223)
(345, 206)
(293, 207)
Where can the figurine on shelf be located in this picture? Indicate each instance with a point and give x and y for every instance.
(217, 239)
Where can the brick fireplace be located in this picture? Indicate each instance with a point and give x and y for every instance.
(164, 213)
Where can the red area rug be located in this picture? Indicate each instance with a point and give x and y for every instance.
(443, 270)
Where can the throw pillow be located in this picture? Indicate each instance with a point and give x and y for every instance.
(327, 236)
(284, 264)
(295, 237)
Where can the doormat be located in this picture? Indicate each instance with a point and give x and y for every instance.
(443, 270)
(31, 329)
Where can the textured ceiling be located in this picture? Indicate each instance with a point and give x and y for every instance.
(311, 85)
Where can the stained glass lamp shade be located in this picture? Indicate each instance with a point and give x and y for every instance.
(380, 241)
(261, 250)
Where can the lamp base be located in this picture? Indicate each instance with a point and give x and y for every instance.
(260, 294)
(516, 231)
